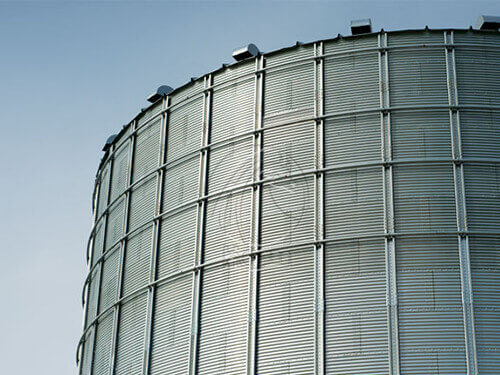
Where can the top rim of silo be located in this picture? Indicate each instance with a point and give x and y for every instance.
(296, 45)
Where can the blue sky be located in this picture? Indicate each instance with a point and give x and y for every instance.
(71, 74)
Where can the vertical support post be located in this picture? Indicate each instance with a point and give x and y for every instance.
(461, 211)
(389, 229)
(253, 282)
(319, 202)
(156, 237)
(123, 249)
(200, 225)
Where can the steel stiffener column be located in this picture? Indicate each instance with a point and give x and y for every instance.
(200, 224)
(461, 211)
(256, 218)
(390, 245)
(319, 203)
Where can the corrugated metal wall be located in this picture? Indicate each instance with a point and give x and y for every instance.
(331, 208)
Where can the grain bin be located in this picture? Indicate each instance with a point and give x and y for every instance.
(328, 208)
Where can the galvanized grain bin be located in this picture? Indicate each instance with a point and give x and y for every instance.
(329, 208)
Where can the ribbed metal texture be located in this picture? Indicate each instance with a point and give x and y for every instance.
(170, 344)
(177, 242)
(103, 348)
(356, 324)
(330, 208)
(223, 319)
(131, 329)
(285, 343)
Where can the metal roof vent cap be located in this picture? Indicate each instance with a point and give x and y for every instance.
(246, 52)
(109, 142)
(160, 93)
(488, 23)
(361, 26)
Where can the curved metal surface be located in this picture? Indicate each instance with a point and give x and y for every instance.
(331, 208)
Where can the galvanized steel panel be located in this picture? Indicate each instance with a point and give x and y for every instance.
(482, 186)
(288, 149)
(184, 129)
(431, 330)
(149, 113)
(351, 82)
(88, 348)
(417, 77)
(234, 71)
(102, 349)
(485, 269)
(415, 38)
(354, 202)
(147, 150)
(104, 180)
(192, 90)
(223, 322)
(422, 135)
(227, 228)
(287, 212)
(137, 261)
(177, 241)
(131, 328)
(91, 304)
(478, 80)
(424, 198)
(114, 229)
(287, 56)
(286, 313)
(349, 45)
(121, 170)
(289, 93)
(171, 328)
(230, 165)
(232, 110)
(345, 136)
(475, 37)
(109, 279)
(181, 183)
(480, 134)
(356, 310)
(142, 203)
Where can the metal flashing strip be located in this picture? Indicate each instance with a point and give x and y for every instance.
(319, 206)
(461, 210)
(388, 197)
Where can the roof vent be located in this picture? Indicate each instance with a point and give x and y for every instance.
(245, 52)
(109, 142)
(160, 93)
(488, 23)
(361, 26)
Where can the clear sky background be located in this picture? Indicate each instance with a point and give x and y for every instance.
(71, 74)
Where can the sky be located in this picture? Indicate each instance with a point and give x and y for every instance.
(71, 74)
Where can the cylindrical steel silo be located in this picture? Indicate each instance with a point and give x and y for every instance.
(328, 208)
